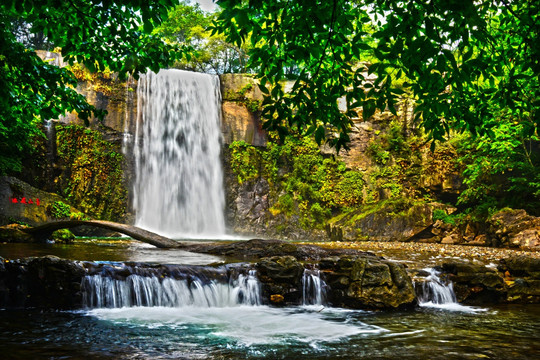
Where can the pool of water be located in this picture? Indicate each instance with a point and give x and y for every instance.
(115, 249)
(254, 332)
(447, 331)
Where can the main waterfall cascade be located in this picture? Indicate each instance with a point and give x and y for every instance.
(178, 189)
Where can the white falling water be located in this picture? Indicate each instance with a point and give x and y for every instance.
(439, 294)
(150, 291)
(178, 188)
(435, 291)
(313, 288)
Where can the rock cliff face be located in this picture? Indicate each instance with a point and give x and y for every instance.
(22, 203)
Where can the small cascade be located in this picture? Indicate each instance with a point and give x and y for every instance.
(247, 288)
(127, 287)
(50, 133)
(313, 288)
(435, 291)
(127, 137)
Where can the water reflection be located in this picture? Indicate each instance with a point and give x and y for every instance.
(115, 249)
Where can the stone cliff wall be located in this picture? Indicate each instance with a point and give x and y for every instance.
(387, 162)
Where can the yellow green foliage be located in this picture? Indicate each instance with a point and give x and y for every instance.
(92, 179)
(303, 181)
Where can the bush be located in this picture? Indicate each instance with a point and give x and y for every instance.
(59, 210)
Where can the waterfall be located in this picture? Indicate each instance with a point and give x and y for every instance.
(313, 288)
(178, 189)
(109, 291)
(435, 291)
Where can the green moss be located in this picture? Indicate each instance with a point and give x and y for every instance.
(439, 214)
(92, 179)
(64, 235)
(59, 210)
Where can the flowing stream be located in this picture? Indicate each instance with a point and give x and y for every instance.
(189, 310)
(178, 189)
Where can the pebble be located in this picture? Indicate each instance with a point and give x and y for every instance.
(484, 254)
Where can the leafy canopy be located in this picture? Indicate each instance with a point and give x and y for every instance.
(97, 33)
(462, 59)
(188, 24)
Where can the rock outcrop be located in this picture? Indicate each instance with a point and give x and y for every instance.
(474, 283)
(22, 203)
(515, 228)
(522, 276)
(45, 282)
(367, 282)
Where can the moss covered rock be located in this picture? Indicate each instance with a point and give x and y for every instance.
(92, 176)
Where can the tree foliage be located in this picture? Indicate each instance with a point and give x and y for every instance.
(97, 33)
(188, 24)
(465, 61)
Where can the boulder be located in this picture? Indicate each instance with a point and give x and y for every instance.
(474, 283)
(515, 228)
(522, 276)
(367, 282)
(281, 278)
(44, 282)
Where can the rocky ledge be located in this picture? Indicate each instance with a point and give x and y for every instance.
(359, 280)
(353, 279)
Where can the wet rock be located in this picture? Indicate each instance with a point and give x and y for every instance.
(474, 283)
(367, 282)
(45, 282)
(522, 275)
(281, 278)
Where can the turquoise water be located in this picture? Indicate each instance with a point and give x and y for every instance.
(243, 332)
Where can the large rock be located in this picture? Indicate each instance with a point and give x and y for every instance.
(281, 276)
(475, 283)
(45, 282)
(522, 275)
(397, 221)
(14, 233)
(240, 124)
(367, 282)
(515, 228)
(19, 203)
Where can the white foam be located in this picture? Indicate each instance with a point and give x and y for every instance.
(454, 307)
(246, 325)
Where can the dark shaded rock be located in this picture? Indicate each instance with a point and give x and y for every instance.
(45, 282)
(14, 234)
(281, 278)
(259, 248)
(521, 266)
(475, 284)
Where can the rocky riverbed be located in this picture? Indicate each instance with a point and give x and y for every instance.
(402, 249)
